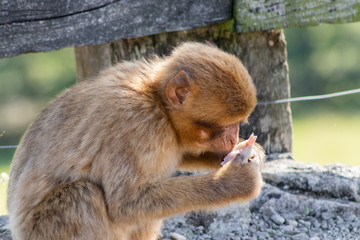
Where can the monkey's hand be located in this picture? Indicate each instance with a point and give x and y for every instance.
(242, 182)
(242, 168)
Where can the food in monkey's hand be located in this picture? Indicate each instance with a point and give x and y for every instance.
(243, 151)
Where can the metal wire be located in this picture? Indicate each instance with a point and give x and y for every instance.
(8, 147)
(309, 98)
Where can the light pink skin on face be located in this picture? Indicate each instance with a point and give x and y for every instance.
(243, 150)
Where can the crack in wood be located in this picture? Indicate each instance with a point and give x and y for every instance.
(53, 17)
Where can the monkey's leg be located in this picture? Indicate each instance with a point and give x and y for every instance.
(73, 210)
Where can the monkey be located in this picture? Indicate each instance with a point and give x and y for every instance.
(98, 161)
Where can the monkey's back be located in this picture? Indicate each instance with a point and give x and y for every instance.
(83, 133)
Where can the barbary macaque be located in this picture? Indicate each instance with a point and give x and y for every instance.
(98, 162)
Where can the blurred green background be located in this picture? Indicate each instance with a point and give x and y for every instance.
(322, 59)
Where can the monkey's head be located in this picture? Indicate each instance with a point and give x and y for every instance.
(207, 93)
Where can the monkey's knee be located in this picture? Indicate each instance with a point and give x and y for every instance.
(71, 211)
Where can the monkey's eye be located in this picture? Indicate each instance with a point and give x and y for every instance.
(208, 125)
(214, 129)
(216, 133)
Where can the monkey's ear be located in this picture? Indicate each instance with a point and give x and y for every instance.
(178, 89)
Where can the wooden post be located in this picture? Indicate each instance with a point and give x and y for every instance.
(91, 59)
(262, 53)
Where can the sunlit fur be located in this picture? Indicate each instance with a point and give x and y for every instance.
(97, 162)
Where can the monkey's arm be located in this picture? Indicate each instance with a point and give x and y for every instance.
(207, 160)
(233, 182)
(210, 160)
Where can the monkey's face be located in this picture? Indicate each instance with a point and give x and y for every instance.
(208, 125)
(202, 135)
(203, 119)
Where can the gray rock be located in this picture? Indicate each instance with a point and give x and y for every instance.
(277, 219)
(269, 212)
(300, 236)
(200, 218)
(293, 223)
(324, 225)
(309, 210)
(288, 229)
(339, 220)
(326, 215)
(176, 236)
(350, 217)
(335, 181)
(305, 223)
(5, 233)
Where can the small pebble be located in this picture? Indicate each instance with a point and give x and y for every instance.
(305, 223)
(269, 212)
(288, 229)
(293, 223)
(326, 215)
(350, 217)
(339, 220)
(176, 236)
(300, 236)
(277, 219)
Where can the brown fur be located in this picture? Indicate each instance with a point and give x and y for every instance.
(97, 162)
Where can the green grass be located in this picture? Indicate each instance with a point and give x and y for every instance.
(3, 194)
(326, 138)
(5, 160)
(322, 138)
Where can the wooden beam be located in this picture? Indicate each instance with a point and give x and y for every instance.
(44, 25)
(255, 15)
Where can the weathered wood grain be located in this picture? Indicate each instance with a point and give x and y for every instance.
(255, 15)
(44, 25)
(17, 11)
